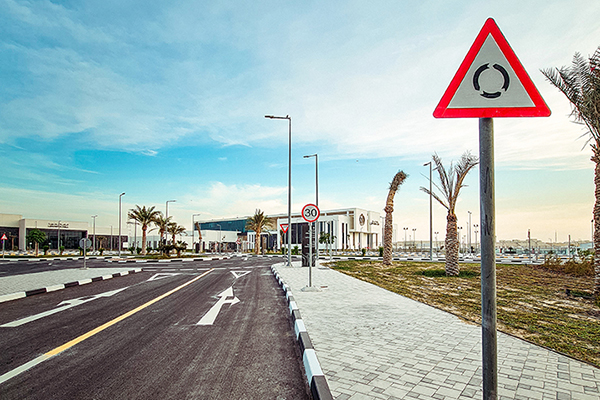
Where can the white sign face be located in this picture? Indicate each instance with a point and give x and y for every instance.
(310, 213)
(85, 243)
(490, 82)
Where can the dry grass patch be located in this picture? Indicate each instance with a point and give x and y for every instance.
(547, 308)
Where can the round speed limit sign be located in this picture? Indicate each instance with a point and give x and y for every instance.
(311, 213)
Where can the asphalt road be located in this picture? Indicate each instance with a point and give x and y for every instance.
(182, 330)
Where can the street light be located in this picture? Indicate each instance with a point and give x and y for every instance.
(289, 252)
(219, 238)
(58, 245)
(405, 229)
(459, 240)
(476, 232)
(437, 244)
(167, 207)
(316, 156)
(430, 213)
(94, 242)
(193, 215)
(120, 245)
(469, 233)
(415, 238)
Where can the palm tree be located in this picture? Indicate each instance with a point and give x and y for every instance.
(175, 229)
(581, 84)
(145, 216)
(257, 223)
(451, 181)
(389, 209)
(36, 236)
(162, 224)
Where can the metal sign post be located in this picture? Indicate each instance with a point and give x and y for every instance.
(310, 213)
(488, 258)
(84, 243)
(490, 82)
(310, 259)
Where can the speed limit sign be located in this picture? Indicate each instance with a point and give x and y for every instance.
(311, 213)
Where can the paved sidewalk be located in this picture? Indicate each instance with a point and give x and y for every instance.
(375, 344)
(54, 280)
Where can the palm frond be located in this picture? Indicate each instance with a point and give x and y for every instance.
(435, 196)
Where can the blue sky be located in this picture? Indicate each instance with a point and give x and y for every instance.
(166, 100)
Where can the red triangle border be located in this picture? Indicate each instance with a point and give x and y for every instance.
(540, 109)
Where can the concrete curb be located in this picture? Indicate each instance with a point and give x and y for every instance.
(20, 295)
(314, 374)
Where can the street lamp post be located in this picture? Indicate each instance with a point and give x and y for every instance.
(316, 156)
(193, 226)
(415, 238)
(167, 207)
(289, 252)
(405, 229)
(469, 233)
(219, 238)
(58, 245)
(94, 242)
(111, 238)
(119, 241)
(437, 244)
(476, 232)
(430, 212)
(459, 240)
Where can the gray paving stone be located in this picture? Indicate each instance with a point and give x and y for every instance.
(369, 338)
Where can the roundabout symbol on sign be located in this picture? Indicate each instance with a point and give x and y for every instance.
(497, 67)
(310, 213)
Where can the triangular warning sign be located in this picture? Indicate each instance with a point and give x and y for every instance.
(491, 82)
(4, 237)
(284, 227)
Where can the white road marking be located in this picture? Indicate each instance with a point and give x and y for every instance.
(239, 274)
(162, 275)
(211, 315)
(62, 306)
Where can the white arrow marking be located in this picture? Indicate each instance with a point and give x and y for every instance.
(211, 315)
(239, 274)
(62, 306)
(162, 275)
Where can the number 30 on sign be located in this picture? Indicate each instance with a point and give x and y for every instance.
(310, 213)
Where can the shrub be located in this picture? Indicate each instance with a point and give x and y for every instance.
(380, 251)
(101, 250)
(295, 250)
(46, 248)
(363, 251)
(582, 267)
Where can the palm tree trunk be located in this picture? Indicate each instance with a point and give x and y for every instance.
(387, 235)
(596, 160)
(257, 243)
(452, 268)
(144, 252)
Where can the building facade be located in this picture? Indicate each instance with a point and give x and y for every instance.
(350, 229)
(59, 233)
